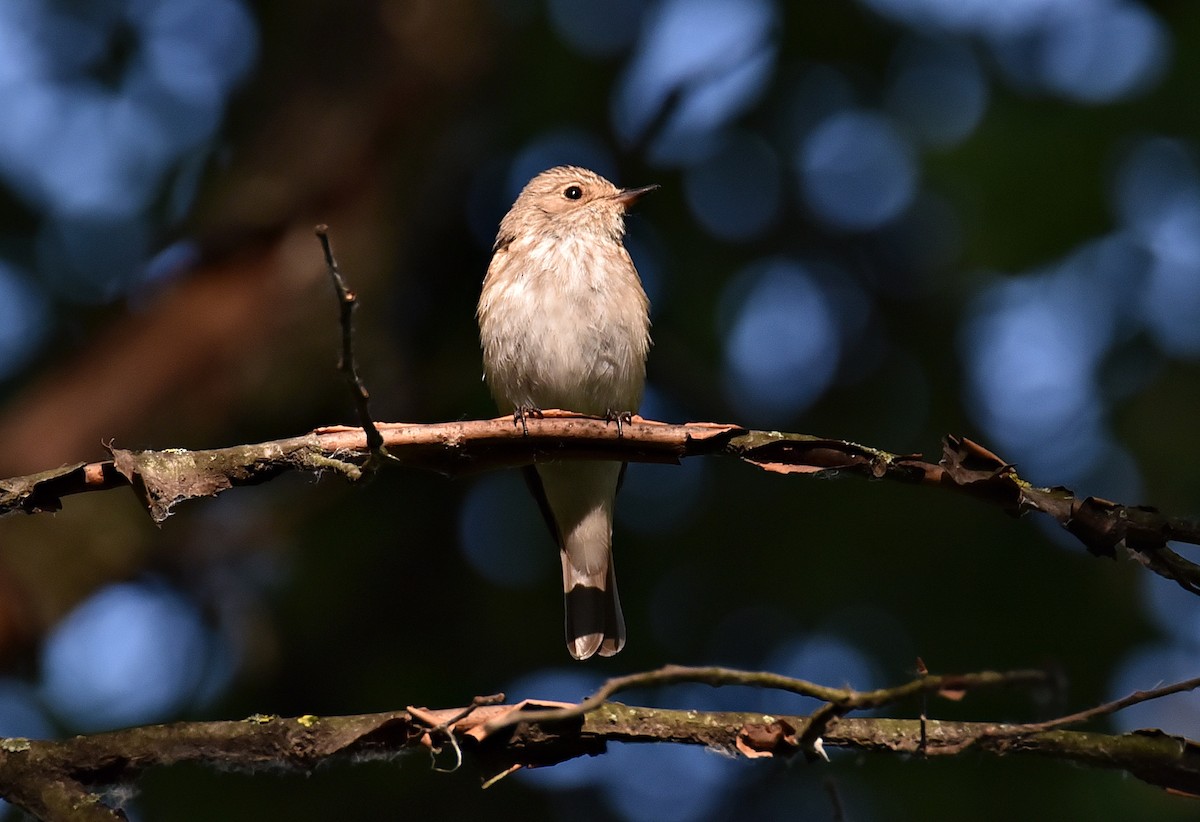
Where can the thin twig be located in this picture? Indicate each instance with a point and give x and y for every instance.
(446, 728)
(819, 722)
(477, 702)
(845, 699)
(1107, 708)
(347, 302)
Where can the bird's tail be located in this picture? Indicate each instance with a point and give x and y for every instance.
(579, 498)
(594, 621)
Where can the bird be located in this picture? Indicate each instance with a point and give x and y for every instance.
(564, 322)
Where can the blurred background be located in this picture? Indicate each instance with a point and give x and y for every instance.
(881, 221)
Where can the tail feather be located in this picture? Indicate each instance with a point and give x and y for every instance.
(578, 499)
(614, 620)
(594, 622)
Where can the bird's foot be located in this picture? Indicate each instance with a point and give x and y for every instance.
(621, 418)
(523, 411)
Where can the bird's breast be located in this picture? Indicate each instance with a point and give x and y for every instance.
(564, 324)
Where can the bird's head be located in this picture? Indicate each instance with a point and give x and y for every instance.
(569, 200)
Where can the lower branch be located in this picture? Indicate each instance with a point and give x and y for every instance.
(61, 780)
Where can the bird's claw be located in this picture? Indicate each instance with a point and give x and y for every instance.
(621, 418)
(523, 411)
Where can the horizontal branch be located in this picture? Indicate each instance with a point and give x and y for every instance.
(63, 779)
(163, 479)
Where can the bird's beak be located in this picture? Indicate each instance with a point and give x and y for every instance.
(629, 196)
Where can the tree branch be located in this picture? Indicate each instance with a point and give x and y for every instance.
(162, 479)
(59, 780)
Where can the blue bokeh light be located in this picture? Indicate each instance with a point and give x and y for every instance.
(938, 89)
(1157, 174)
(560, 685)
(824, 659)
(667, 783)
(647, 251)
(1033, 355)
(705, 60)
(1096, 52)
(1176, 658)
(1171, 606)
(90, 131)
(782, 345)
(818, 93)
(556, 684)
(496, 184)
(656, 499)
(92, 257)
(24, 315)
(1031, 383)
(1036, 346)
(501, 534)
(983, 17)
(1172, 304)
(597, 29)
(1151, 667)
(131, 653)
(856, 171)
(1090, 52)
(21, 711)
(1033, 346)
(196, 50)
(171, 261)
(1104, 52)
(1156, 193)
(736, 193)
(558, 147)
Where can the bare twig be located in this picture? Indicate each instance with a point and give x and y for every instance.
(443, 728)
(347, 302)
(846, 699)
(1110, 707)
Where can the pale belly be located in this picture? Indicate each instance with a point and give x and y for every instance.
(582, 365)
(572, 345)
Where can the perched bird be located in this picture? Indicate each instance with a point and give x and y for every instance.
(565, 323)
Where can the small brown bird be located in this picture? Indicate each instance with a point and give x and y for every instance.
(565, 323)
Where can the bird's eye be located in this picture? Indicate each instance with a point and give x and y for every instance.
(573, 192)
